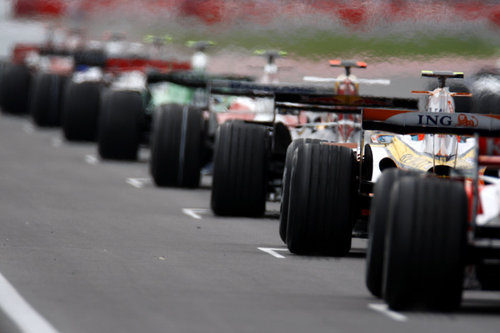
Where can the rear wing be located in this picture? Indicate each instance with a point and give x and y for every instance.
(445, 74)
(347, 63)
(117, 65)
(200, 45)
(93, 58)
(270, 55)
(309, 97)
(82, 57)
(407, 122)
(287, 96)
(192, 79)
(442, 76)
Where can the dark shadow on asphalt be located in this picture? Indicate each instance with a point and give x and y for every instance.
(21, 116)
(46, 129)
(355, 253)
(78, 144)
(272, 214)
(118, 162)
(269, 215)
(475, 306)
(205, 187)
(483, 307)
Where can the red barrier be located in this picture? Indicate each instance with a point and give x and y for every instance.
(23, 8)
(355, 13)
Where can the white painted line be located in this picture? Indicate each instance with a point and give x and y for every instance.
(273, 251)
(20, 312)
(384, 309)
(91, 159)
(28, 128)
(194, 212)
(56, 142)
(138, 182)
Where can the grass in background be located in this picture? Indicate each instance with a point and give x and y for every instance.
(321, 43)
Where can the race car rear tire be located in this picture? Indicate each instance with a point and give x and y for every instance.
(176, 146)
(121, 120)
(80, 111)
(426, 244)
(322, 202)
(46, 99)
(239, 186)
(285, 193)
(377, 227)
(15, 89)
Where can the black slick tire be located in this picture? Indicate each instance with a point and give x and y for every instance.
(377, 227)
(321, 209)
(80, 111)
(239, 186)
(176, 146)
(15, 89)
(121, 121)
(425, 248)
(46, 99)
(285, 193)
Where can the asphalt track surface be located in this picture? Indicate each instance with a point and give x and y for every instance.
(95, 251)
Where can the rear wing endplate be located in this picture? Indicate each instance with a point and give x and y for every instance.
(347, 63)
(446, 74)
(442, 76)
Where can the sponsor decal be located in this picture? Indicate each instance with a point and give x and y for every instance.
(467, 121)
(434, 120)
(446, 120)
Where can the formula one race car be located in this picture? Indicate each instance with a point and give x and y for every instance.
(403, 155)
(82, 95)
(17, 72)
(51, 68)
(331, 185)
(127, 109)
(94, 96)
(120, 136)
(34, 79)
(177, 159)
(434, 233)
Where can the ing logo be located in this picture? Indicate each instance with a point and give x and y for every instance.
(467, 121)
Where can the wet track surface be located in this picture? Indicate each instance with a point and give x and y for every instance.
(94, 247)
